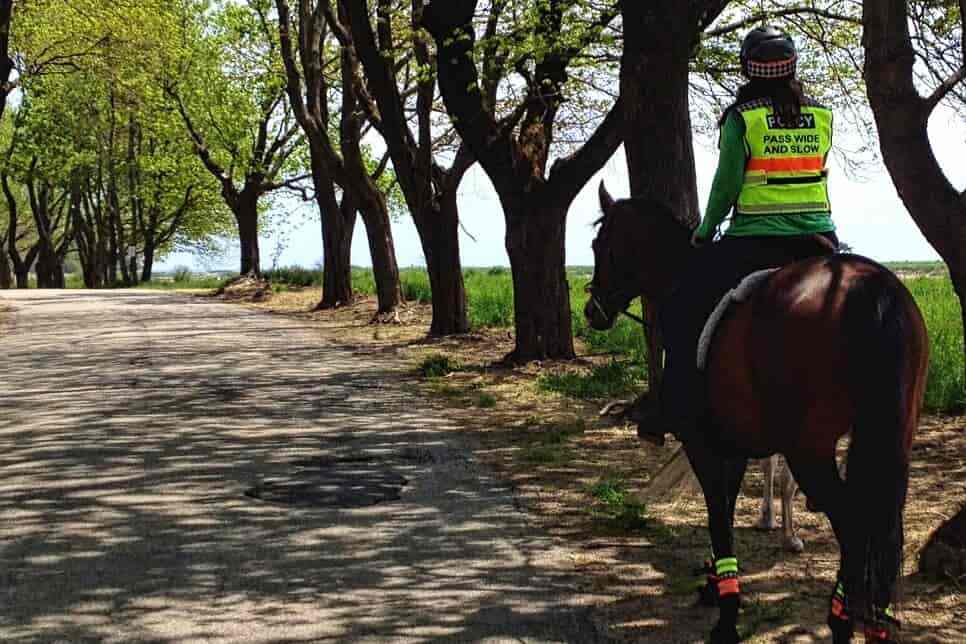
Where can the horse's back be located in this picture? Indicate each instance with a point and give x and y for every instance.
(781, 365)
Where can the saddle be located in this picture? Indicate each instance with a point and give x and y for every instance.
(737, 295)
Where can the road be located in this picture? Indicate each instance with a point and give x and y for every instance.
(178, 470)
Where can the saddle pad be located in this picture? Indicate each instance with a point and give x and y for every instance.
(739, 294)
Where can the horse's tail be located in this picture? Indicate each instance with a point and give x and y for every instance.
(886, 340)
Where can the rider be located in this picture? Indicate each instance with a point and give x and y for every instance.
(772, 174)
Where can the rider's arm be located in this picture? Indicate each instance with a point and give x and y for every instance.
(729, 178)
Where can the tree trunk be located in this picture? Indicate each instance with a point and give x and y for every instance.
(654, 75)
(338, 224)
(23, 277)
(246, 216)
(535, 242)
(375, 217)
(439, 236)
(654, 90)
(6, 275)
(49, 270)
(147, 269)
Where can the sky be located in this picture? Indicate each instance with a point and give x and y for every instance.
(869, 215)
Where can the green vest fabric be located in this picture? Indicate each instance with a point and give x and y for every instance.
(786, 169)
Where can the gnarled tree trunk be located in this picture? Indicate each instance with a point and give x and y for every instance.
(535, 242)
(338, 224)
(440, 242)
(375, 217)
(245, 210)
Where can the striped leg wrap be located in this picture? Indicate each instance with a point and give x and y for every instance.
(883, 627)
(839, 608)
(726, 572)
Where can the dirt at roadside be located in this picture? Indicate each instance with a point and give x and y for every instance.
(556, 450)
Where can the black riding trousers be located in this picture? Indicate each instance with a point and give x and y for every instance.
(716, 269)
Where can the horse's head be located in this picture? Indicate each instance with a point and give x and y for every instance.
(639, 249)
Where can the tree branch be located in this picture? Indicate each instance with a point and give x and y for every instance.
(944, 89)
(201, 149)
(571, 174)
(778, 13)
(451, 24)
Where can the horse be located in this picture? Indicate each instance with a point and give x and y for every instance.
(824, 347)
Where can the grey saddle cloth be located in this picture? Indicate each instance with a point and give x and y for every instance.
(739, 294)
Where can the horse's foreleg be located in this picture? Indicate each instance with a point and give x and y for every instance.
(790, 541)
(767, 519)
(720, 481)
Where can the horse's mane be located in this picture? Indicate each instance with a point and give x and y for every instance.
(646, 206)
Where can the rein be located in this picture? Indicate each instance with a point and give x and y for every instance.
(597, 305)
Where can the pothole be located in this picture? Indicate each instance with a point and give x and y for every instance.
(342, 485)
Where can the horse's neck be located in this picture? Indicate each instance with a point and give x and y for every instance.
(684, 260)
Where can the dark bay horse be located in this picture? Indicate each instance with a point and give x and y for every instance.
(826, 346)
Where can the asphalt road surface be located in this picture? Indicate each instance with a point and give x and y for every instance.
(176, 470)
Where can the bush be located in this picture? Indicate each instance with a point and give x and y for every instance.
(415, 286)
(182, 274)
(486, 401)
(612, 380)
(295, 276)
(438, 365)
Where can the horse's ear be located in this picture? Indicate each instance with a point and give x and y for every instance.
(606, 201)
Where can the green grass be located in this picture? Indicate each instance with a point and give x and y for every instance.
(193, 283)
(550, 444)
(611, 380)
(615, 505)
(485, 401)
(757, 614)
(438, 365)
(945, 390)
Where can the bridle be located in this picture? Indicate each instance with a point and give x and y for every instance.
(589, 290)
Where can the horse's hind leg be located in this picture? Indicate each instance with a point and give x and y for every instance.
(787, 484)
(821, 483)
(767, 519)
(720, 481)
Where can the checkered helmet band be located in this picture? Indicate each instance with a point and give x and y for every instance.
(775, 69)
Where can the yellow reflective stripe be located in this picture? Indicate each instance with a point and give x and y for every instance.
(725, 566)
(777, 209)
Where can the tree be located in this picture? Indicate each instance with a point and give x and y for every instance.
(430, 189)
(248, 139)
(347, 164)
(550, 38)
(902, 116)
(6, 62)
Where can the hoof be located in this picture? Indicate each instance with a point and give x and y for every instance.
(794, 545)
(724, 635)
(842, 631)
(647, 437)
(708, 595)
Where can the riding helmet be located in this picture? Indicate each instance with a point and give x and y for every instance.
(768, 52)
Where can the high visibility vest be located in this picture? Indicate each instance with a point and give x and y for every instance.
(785, 172)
